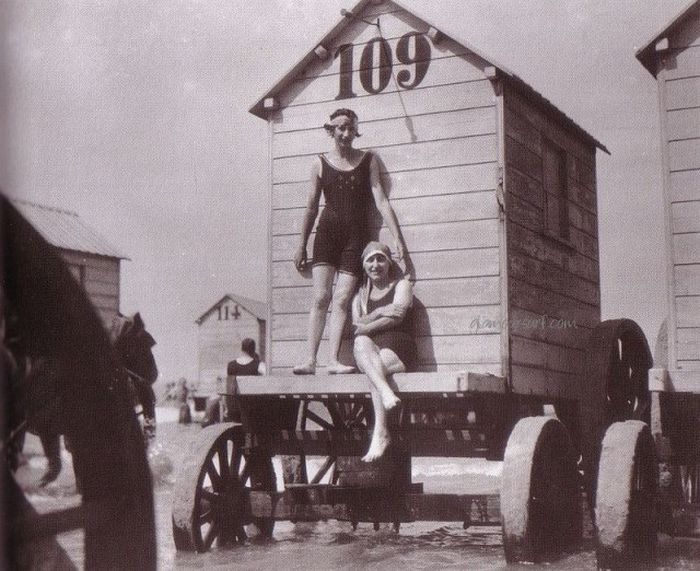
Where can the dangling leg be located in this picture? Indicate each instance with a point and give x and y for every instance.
(344, 290)
(377, 364)
(322, 292)
(380, 432)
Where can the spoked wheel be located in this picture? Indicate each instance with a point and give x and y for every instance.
(617, 362)
(336, 416)
(354, 414)
(540, 494)
(625, 500)
(211, 503)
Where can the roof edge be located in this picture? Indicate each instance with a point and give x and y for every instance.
(238, 301)
(645, 54)
(258, 108)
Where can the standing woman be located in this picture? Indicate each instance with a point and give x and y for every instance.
(384, 341)
(350, 181)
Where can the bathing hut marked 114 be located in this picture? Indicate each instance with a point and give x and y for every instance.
(222, 327)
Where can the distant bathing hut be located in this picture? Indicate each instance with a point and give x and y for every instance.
(222, 327)
(493, 186)
(92, 260)
(673, 58)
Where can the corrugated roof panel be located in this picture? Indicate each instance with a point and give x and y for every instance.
(65, 229)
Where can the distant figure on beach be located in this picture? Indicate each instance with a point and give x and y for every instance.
(384, 342)
(248, 362)
(181, 395)
(350, 181)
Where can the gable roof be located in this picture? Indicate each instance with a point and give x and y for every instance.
(526, 90)
(64, 229)
(647, 54)
(253, 306)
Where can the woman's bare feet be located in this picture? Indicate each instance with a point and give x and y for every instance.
(390, 400)
(377, 447)
(305, 369)
(336, 368)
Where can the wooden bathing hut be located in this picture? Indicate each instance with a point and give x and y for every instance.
(673, 58)
(493, 186)
(495, 192)
(94, 262)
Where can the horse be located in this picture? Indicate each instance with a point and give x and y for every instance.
(133, 345)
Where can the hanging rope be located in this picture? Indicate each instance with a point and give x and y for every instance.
(387, 53)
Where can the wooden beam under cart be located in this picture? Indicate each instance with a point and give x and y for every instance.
(424, 442)
(326, 386)
(375, 505)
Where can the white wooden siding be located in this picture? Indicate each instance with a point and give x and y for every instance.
(680, 87)
(100, 282)
(439, 168)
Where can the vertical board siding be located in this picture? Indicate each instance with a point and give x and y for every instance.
(100, 281)
(437, 150)
(680, 82)
(553, 285)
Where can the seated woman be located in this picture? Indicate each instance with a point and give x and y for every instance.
(384, 343)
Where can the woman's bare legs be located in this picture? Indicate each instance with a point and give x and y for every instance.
(377, 364)
(345, 287)
(322, 291)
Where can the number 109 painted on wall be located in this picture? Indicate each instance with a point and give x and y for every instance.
(376, 83)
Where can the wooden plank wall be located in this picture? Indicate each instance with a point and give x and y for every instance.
(680, 81)
(439, 170)
(100, 279)
(553, 287)
(219, 342)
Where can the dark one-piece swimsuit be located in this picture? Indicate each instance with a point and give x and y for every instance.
(399, 338)
(342, 233)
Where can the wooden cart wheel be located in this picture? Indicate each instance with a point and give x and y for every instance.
(341, 415)
(540, 494)
(625, 500)
(615, 386)
(210, 501)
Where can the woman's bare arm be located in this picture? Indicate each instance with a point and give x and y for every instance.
(385, 208)
(389, 315)
(310, 214)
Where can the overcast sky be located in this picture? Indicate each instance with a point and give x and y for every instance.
(134, 113)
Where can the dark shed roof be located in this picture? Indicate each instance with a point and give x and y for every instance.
(647, 54)
(257, 308)
(534, 96)
(64, 229)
